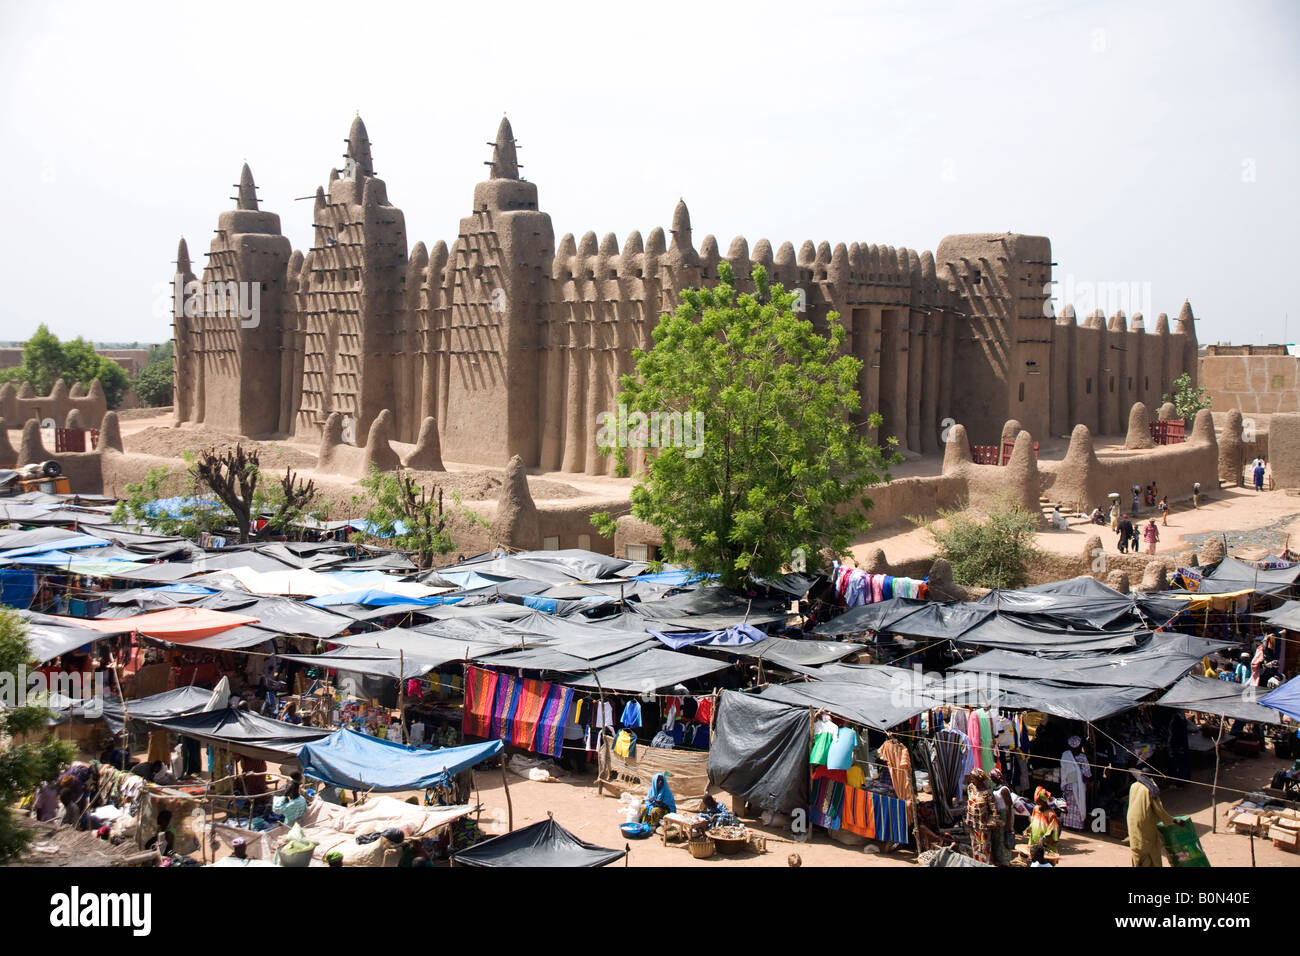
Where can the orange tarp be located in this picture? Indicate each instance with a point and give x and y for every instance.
(176, 624)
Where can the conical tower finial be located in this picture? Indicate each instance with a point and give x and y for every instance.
(505, 161)
(359, 148)
(247, 189)
(183, 257)
(681, 230)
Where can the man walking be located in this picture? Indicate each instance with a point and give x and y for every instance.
(1125, 529)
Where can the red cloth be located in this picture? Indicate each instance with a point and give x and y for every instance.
(704, 711)
(839, 776)
(480, 692)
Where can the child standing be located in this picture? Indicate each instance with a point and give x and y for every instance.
(1164, 510)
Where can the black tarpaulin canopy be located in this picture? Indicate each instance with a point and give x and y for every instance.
(580, 564)
(557, 630)
(242, 732)
(1286, 617)
(941, 621)
(792, 584)
(881, 616)
(46, 641)
(477, 642)
(759, 751)
(236, 638)
(1012, 632)
(1208, 695)
(712, 599)
(358, 660)
(550, 659)
(585, 641)
(359, 612)
(281, 614)
(784, 651)
(544, 843)
(1084, 603)
(649, 670)
(169, 703)
(718, 620)
(569, 564)
(1239, 574)
(875, 675)
(1161, 662)
(514, 568)
(877, 707)
(1070, 701)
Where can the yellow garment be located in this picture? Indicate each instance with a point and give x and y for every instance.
(1144, 811)
(623, 744)
(856, 777)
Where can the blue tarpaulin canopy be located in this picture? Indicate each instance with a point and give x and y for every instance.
(376, 597)
(730, 637)
(1285, 698)
(66, 543)
(359, 762)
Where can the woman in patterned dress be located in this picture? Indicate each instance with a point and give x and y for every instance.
(982, 818)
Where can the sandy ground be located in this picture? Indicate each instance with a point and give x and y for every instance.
(1264, 521)
(156, 436)
(575, 804)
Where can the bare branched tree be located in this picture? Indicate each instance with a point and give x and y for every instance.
(232, 475)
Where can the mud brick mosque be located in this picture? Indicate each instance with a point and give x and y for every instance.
(514, 343)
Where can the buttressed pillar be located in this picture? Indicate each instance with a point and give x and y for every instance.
(497, 314)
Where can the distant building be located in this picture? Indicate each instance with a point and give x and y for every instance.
(130, 359)
(1255, 379)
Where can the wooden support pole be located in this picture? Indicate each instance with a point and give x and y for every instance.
(510, 807)
(1214, 788)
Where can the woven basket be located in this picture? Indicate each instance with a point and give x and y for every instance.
(701, 849)
(728, 844)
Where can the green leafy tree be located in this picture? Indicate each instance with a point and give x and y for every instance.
(1187, 398)
(777, 475)
(43, 361)
(153, 383)
(410, 517)
(990, 551)
(22, 766)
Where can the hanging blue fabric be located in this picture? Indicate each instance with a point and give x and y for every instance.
(631, 714)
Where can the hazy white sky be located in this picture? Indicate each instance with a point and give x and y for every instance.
(1155, 144)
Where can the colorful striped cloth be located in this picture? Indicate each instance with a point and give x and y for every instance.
(480, 692)
(876, 816)
(890, 815)
(827, 803)
(528, 712)
(550, 730)
(504, 705)
(856, 815)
